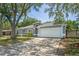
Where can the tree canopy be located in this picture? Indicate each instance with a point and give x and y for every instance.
(60, 10)
(28, 21)
(14, 12)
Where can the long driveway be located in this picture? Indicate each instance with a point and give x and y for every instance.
(33, 47)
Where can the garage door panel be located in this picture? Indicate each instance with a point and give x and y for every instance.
(49, 32)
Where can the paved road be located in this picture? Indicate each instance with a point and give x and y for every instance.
(33, 47)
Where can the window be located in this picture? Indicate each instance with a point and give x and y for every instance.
(23, 31)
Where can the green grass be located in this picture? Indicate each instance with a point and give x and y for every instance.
(71, 49)
(72, 52)
(6, 40)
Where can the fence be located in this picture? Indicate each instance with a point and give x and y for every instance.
(72, 33)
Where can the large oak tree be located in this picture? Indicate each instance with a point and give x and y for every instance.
(14, 12)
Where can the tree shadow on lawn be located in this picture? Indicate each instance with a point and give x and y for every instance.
(72, 48)
(59, 50)
(7, 41)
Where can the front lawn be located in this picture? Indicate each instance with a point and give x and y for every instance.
(5, 40)
(72, 47)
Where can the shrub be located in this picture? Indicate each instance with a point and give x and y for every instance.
(29, 34)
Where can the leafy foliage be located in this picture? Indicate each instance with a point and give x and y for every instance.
(14, 12)
(71, 25)
(60, 10)
(29, 34)
(55, 11)
(28, 21)
(6, 25)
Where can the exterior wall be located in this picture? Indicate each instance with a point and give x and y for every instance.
(19, 32)
(24, 31)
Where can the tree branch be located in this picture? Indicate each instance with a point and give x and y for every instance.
(20, 14)
(8, 17)
(23, 12)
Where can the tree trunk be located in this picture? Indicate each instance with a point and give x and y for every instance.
(0, 32)
(0, 29)
(1, 26)
(13, 33)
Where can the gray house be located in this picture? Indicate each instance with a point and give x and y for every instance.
(44, 30)
(25, 30)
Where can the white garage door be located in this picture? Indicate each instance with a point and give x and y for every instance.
(50, 32)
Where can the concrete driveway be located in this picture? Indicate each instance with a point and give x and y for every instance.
(33, 47)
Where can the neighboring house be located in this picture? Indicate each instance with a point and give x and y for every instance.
(44, 30)
(6, 32)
